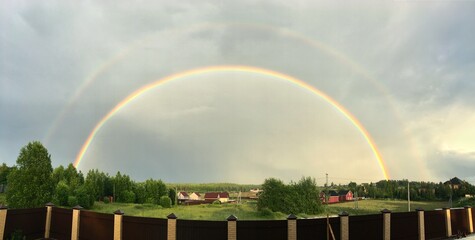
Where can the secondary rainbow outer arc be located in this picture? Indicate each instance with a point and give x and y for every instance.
(232, 68)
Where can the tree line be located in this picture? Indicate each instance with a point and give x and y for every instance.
(33, 182)
(419, 191)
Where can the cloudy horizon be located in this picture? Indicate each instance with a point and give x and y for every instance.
(404, 69)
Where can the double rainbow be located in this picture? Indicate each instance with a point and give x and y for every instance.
(233, 68)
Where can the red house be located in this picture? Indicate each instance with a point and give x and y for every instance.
(333, 197)
(345, 195)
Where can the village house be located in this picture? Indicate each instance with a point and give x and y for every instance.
(183, 196)
(220, 196)
(335, 197)
(345, 195)
(454, 183)
(195, 196)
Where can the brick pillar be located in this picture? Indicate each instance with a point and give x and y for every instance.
(448, 223)
(3, 219)
(49, 210)
(344, 226)
(386, 224)
(171, 228)
(118, 224)
(292, 227)
(420, 222)
(232, 227)
(469, 219)
(75, 225)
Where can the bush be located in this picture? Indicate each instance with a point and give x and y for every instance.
(166, 202)
(61, 194)
(128, 196)
(265, 212)
(84, 197)
(72, 201)
(106, 200)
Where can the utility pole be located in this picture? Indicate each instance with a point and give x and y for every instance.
(326, 201)
(408, 197)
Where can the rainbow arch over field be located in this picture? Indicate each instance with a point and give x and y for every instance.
(236, 68)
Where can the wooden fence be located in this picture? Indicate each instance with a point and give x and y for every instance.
(60, 223)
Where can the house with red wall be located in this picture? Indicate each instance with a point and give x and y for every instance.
(345, 195)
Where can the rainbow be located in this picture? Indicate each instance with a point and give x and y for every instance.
(234, 68)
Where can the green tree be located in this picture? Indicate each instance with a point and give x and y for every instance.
(172, 195)
(30, 181)
(271, 196)
(61, 194)
(4, 171)
(166, 202)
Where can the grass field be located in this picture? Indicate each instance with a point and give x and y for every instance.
(244, 211)
(248, 211)
(375, 206)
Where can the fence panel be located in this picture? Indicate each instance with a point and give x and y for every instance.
(31, 222)
(404, 226)
(61, 223)
(366, 227)
(434, 224)
(257, 230)
(459, 221)
(194, 229)
(94, 225)
(144, 228)
(308, 229)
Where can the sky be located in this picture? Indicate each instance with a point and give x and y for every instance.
(402, 70)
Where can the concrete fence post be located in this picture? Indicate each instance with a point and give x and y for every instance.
(49, 211)
(344, 226)
(118, 224)
(420, 223)
(232, 227)
(3, 220)
(386, 224)
(448, 222)
(75, 224)
(292, 227)
(171, 227)
(469, 219)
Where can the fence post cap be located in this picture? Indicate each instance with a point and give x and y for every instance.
(467, 206)
(446, 208)
(3, 206)
(419, 209)
(385, 211)
(50, 204)
(231, 218)
(291, 217)
(77, 207)
(118, 212)
(172, 216)
(343, 214)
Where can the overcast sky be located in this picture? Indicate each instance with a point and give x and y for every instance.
(404, 69)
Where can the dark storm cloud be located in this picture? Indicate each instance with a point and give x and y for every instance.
(421, 53)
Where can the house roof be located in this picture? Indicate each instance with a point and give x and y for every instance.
(343, 192)
(333, 193)
(454, 181)
(184, 194)
(197, 194)
(216, 195)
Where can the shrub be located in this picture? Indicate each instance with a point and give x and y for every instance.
(265, 212)
(72, 201)
(106, 200)
(166, 202)
(128, 196)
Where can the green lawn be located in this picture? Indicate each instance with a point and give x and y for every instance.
(375, 206)
(248, 211)
(244, 211)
